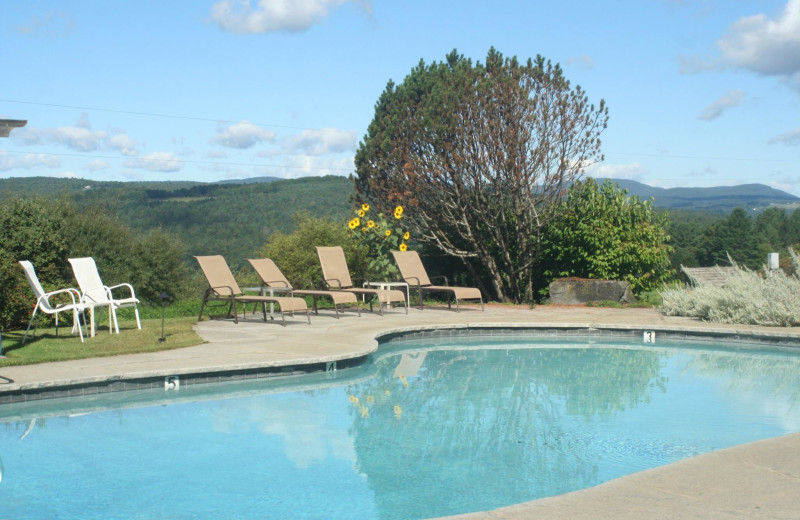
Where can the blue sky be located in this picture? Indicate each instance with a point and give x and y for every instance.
(700, 92)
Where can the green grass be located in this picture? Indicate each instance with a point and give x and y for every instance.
(46, 346)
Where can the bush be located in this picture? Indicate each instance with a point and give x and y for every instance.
(748, 298)
(296, 256)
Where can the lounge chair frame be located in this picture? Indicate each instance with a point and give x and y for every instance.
(223, 287)
(414, 274)
(337, 278)
(272, 279)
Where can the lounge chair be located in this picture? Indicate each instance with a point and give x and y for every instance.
(414, 274)
(223, 287)
(273, 279)
(337, 277)
(95, 294)
(44, 304)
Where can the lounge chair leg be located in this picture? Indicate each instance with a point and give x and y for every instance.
(29, 326)
(308, 316)
(235, 311)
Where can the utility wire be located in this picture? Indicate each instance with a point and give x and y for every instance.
(188, 118)
(144, 159)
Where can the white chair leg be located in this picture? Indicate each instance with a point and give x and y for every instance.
(136, 312)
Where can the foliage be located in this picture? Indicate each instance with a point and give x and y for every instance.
(600, 232)
(771, 299)
(30, 229)
(479, 152)
(295, 254)
(379, 236)
(732, 236)
(48, 233)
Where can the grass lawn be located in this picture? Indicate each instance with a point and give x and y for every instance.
(46, 346)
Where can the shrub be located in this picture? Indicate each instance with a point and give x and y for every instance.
(295, 252)
(379, 236)
(748, 298)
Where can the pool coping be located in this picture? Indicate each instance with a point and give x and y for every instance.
(75, 386)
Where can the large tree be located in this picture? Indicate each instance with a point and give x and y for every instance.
(478, 153)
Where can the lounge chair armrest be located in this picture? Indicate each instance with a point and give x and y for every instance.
(276, 284)
(442, 277)
(333, 283)
(74, 295)
(127, 285)
(228, 290)
(413, 281)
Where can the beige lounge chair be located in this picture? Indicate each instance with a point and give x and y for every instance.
(414, 274)
(337, 277)
(223, 287)
(272, 278)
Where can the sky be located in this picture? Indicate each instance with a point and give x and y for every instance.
(700, 92)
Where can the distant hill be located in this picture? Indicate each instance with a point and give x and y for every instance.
(250, 180)
(720, 199)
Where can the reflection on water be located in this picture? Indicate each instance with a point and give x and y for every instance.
(429, 430)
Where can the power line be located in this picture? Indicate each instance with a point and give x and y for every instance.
(188, 118)
(176, 159)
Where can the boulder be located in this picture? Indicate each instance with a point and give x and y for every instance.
(572, 291)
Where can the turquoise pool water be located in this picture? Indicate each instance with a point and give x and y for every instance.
(428, 429)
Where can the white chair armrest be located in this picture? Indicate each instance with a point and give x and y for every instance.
(72, 294)
(129, 286)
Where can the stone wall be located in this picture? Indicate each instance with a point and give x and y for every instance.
(573, 291)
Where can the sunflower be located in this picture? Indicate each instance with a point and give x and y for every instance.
(365, 207)
(354, 223)
(388, 232)
(361, 213)
(406, 235)
(398, 212)
(403, 246)
(370, 223)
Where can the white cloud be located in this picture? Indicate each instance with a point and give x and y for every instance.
(791, 138)
(242, 135)
(296, 166)
(52, 24)
(156, 162)
(29, 161)
(633, 171)
(765, 46)
(729, 100)
(238, 16)
(326, 140)
(80, 138)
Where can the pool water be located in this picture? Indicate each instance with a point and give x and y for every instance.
(427, 429)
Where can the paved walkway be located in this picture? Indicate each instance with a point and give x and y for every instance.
(759, 480)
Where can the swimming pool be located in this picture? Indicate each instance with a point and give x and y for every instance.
(428, 428)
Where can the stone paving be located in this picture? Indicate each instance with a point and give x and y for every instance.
(758, 480)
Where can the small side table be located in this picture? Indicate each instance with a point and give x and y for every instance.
(384, 286)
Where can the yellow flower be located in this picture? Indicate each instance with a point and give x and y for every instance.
(365, 207)
(353, 399)
(388, 232)
(397, 410)
(363, 230)
(361, 213)
(406, 235)
(354, 223)
(403, 246)
(370, 223)
(398, 212)
(364, 411)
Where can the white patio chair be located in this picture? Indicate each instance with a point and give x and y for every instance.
(95, 294)
(44, 304)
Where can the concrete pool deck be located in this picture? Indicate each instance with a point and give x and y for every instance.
(758, 480)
